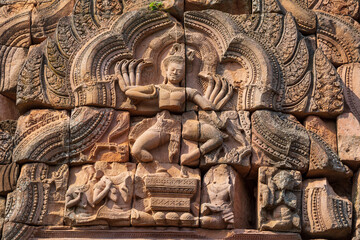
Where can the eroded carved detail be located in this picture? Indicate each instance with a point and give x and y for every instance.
(42, 136)
(99, 134)
(279, 140)
(39, 196)
(224, 199)
(279, 200)
(324, 213)
(100, 194)
(166, 195)
(156, 139)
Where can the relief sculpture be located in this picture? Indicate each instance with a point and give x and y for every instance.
(100, 194)
(179, 119)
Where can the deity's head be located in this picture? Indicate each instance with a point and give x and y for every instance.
(174, 65)
(175, 69)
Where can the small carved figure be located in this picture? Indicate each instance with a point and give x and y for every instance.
(78, 198)
(217, 212)
(103, 197)
(279, 199)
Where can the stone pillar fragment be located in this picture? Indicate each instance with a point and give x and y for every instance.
(279, 200)
(225, 201)
(324, 213)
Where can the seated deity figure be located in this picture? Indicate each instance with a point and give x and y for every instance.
(217, 209)
(170, 95)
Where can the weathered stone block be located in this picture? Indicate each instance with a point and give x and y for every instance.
(156, 139)
(326, 129)
(225, 138)
(348, 138)
(225, 201)
(39, 195)
(324, 213)
(7, 132)
(166, 195)
(42, 136)
(279, 200)
(100, 194)
(99, 134)
(279, 140)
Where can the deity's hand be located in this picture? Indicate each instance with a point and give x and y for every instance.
(218, 92)
(128, 72)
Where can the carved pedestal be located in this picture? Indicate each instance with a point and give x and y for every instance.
(166, 195)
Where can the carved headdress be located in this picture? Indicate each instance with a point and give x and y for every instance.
(176, 54)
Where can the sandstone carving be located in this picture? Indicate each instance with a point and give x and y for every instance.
(15, 25)
(338, 50)
(166, 195)
(356, 202)
(17, 231)
(265, 6)
(230, 6)
(2, 212)
(100, 194)
(279, 140)
(224, 199)
(223, 137)
(305, 19)
(348, 137)
(156, 139)
(324, 213)
(253, 82)
(324, 162)
(9, 175)
(45, 17)
(42, 136)
(324, 128)
(39, 196)
(99, 134)
(328, 96)
(278, 202)
(179, 115)
(7, 132)
(12, 59)
(349, 76)
(170, 95)
(189, 148)
(343, 7)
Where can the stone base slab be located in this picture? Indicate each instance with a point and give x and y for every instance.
(159, 233)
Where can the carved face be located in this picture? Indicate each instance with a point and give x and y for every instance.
(175, 72)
